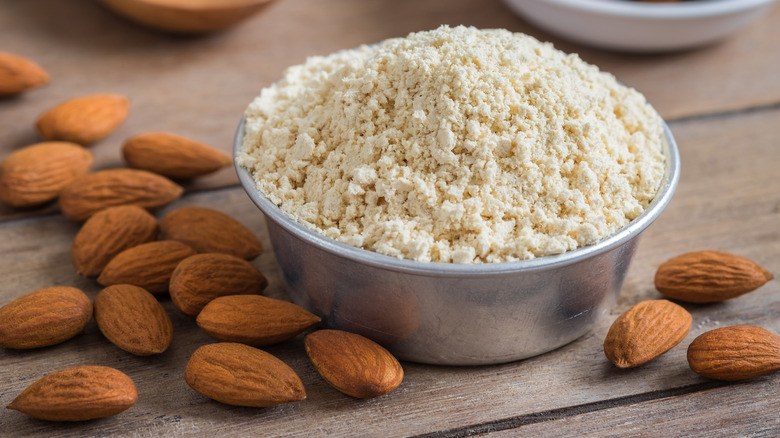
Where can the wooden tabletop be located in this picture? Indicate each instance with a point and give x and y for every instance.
(722, 103)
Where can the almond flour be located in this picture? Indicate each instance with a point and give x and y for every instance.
(455, 145)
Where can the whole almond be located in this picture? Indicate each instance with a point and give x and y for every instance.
(37, 174)
(254, 319)
(91, 193)
(208, 230)
(109, 232)
(646, 331)
(735, 353)
(148, 265)
(203, 277)
(77, 394)
(83, 120)
(354, 365)
(240, 375)
(133, 320)
(172, 155)
(709, 276)
(44, 317)
(18, 74)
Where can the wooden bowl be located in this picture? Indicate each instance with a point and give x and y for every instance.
(186, 16)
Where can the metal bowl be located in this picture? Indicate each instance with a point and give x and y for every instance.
(456, 314)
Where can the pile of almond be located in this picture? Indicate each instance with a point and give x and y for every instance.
(199, 256)
(202, 258)
(651, 328)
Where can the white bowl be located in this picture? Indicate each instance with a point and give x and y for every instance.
(635, 26)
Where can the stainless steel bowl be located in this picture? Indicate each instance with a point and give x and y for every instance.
(454, 314)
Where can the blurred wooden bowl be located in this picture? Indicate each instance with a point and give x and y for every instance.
(186, 16)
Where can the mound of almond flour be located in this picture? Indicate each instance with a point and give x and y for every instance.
(455, 145)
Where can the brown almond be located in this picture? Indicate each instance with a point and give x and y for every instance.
(254, 319)
(646, 331)
(208, 230)
(203, 277)
(37, 174)
(109, 232)
(240, 375)
(735, 353)
(173, 155)
(77, 394)
(148, 265)
(133, 320)
(18, 74)
(709, 276)
(353, 364)
(45, 317)
(83, 120)
(91, 193)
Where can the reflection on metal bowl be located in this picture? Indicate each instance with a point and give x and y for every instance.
(454, 314)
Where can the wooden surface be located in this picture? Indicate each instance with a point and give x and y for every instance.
(722, 103)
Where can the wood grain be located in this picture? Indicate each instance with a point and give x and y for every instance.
(724, 106)
(431, 398)
(199, 86)
(743, 409)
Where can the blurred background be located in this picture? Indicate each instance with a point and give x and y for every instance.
(199, 85)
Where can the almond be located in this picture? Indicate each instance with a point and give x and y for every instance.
(240, 375)
(44, 317)
(83, 120)
(203, 277)
(208, 230)
(133, 320)
(709, 276)
(353, 364)
(91, 193)
(77, 394)
(172, 155)
(109, 232)
(37, 174)
(254, 320)
(735, 353)
(148, 265)
(646, 331)
(18, 74)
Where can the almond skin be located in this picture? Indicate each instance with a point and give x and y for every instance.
(133, 320)
(83, 120)
(646, 331)
(240, 375)
(77, 394)
(254, 320)
(18, 74)
(735, 353)
(37, 174)
(709, 276)
(45, 317)
(201, 278)
(148, 265)
(172, 155)
(91, 193)
(109, 232)
(353, 364)
(208, 230)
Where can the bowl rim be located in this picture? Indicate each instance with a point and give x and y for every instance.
(649, 10)
(272, 212)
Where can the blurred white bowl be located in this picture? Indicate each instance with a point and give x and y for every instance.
(641, 26)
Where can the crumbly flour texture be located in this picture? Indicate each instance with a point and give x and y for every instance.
(455, 145)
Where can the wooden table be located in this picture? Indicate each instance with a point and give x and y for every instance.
(722, 103)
